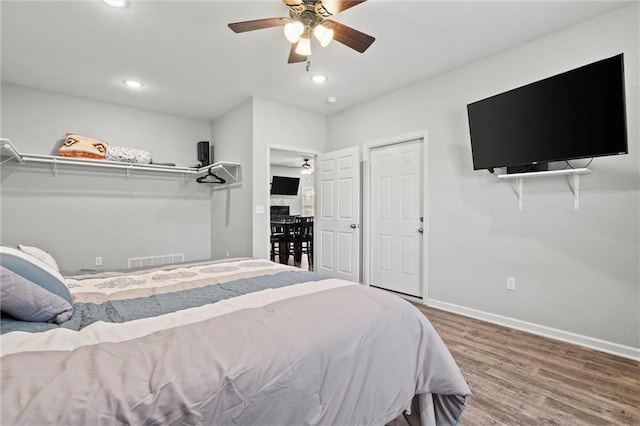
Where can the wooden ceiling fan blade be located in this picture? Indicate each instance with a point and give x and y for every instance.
(350, 37)
(337, 6)
(292, 2)
(258, 24)
(294, 57)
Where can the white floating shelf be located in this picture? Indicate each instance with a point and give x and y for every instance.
(574, 174)
(562, 172)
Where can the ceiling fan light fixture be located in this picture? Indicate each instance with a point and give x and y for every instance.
(306, 168)
(307, 19)
(293, 30)
(304, 47)
(323, 34)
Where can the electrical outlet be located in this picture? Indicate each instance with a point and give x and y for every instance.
(98, 261)
(511, 283)
(227, 254)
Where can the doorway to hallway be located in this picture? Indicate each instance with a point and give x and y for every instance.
(291, 206)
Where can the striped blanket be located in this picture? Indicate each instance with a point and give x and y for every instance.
(242, 341)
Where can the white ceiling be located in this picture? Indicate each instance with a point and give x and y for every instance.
(193, 65)
(291, 159)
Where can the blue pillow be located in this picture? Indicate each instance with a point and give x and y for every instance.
(31, 290)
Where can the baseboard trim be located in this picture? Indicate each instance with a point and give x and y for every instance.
(541, 330)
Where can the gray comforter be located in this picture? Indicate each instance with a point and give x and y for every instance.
(242, 342)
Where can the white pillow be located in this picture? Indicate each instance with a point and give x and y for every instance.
(30, 290)
(40, 254)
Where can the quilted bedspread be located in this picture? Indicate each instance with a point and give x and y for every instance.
(237, 342)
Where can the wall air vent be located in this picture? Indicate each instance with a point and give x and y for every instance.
(165, 259)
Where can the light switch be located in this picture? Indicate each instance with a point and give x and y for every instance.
(259, 209)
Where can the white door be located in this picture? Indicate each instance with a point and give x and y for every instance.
(337, 222)
(397, 217)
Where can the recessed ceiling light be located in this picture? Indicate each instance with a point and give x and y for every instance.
(332, 99)
(319, 79)
(116, 3)
(133, 84)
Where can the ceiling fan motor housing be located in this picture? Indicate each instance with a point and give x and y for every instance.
(310, 12)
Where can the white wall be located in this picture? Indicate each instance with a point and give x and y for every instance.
(35, 120)
(231, 218)
(243, 135)
(84, 213)
(282, 126)
(577, 271)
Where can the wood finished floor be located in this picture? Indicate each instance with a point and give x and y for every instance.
(304, 263)
(519, 378)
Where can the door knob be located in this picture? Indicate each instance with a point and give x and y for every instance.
(421, 230)
(353, 226)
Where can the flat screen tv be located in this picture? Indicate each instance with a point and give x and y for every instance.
(282, 185)
(580, 113)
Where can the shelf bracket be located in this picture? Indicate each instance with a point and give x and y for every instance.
(8, 146)
(234, 176)
(55, 168)
(518, 188)
(575, 188)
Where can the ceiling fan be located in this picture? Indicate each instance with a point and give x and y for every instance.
(307, 17)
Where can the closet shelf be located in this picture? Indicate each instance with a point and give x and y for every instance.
(230, 172)
(573, 173)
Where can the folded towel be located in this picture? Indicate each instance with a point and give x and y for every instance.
(82, 146)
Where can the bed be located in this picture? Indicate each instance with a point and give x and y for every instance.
(232, 342)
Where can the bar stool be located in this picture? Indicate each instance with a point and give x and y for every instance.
(277, 240)
(303, 240)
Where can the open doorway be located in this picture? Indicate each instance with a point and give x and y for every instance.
(292, 207)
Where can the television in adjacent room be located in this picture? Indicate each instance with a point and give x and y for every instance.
(577, 114)
(283, 185)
